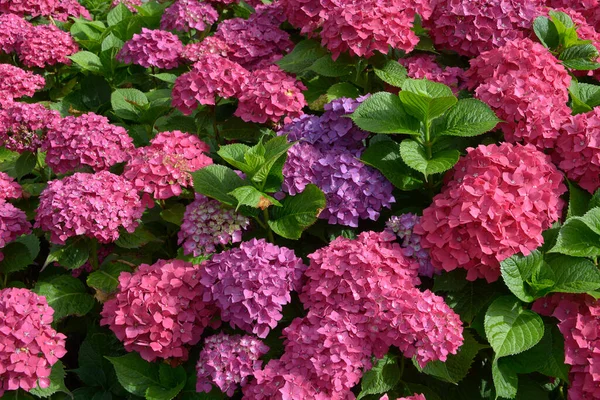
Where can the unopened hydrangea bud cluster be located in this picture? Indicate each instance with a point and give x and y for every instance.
(152, 48)
(402, 226)
(29, 345)
(159, 310)
(228, 360)
(23, 126)
(184, 15)
(207, 224)
(16, 83)
(497, 203)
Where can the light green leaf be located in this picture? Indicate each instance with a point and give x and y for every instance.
(252, 197)
(66, 295)
(57, 382)
(234, 155)
(506, 380)
(166, 77)
(384, 113)
(88, 61)
(384, 376)
(342, 89)
(427, 88)
(304, 55)
(577, 239)
(297, 212)
(393, 73)
(573, 274)
(326, 66)
(468, 118)
(385, 156)
(585, 52)
(517, 271)
(414, 155)
(135, 374)
(118, 14)
(274, 149)
(217, 181)
(106, 279)
(173, 214)
(426, 100)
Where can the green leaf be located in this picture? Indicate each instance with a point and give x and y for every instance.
(128, 103)
(506, 380)
(217, 181)
(73, 254)
(93, 368)
(342, 89)
(252, 197)
(19, 254)
(572, 274)
(589, 94)
(510, 329)
(112, 42)
(236, 129)
(172, 380)
(577, 239)
(453, 281)
(517, 270)
(57, 382)
(530, 360)
(384, 113)
(304, 55)
(393, 73)
(25, 164)
(561, 19)
(118, 14)
(546, 32)
(326, 66)
(106, 279)
(384, 376)
(234, 155)
(585, 52)
(595, 200)
(468, 118)
(140, 237)
(427, 88)
(426, 100)
(578, 200)
(173, 214)
(414, 155)
(385, 156)
(88, 61)
(297, 212)
(135, 374)
(470, 300)
(66, 295)
(580, 64)
(165, 77)
(554, 364)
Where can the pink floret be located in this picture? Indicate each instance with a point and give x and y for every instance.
(16, 83)
(45, 45)
(152, 48)
(184, 15)
(23, 126)
(9, 189)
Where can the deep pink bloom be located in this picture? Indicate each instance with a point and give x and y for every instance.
(184, 15)
(162, 168)
(193, 52)
(16, 83)
(303, 14)
(497, 203)
(23, 126)
(424, 66)
(271, 95)
(152, 48)
(94, 205)
(29, 346)
(70, 8)
(28, 8)
(159, 310)
(12, 30)
(9, 189)
(45, 45)
(13, 223)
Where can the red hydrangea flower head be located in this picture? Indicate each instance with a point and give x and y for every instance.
(45, 45)
(30, 346)
(23, 126)
(9, 189)
(206, 224)
(211, 76)
(424, 66)
(13, 223)
(471, 27)
(184, 15)
(499, 200)
(12, 29)
(164, 167)
(194, 52)
(527, 87)
(16, 83)
(152, 48)
(94, 205)
(130, 4)
(227, 361)
(271, 95)
(159, 310)
(28, 8)
(252, 283)
(87, 140)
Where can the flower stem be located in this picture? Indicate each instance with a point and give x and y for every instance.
(269, 230)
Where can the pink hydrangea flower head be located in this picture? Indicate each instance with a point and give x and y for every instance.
(16, 83)
(87, 140)
(527, 87)
(28, 8)
(213, 75)
(159, 310)
(303, 14)
(130, 4)
(184, 15)
(363, 27)
(471, 27)
(252, 283)
(194, 52)
(271, 95)
(23, 126)
(227, 361)
(12, 29)
(70, 8)
(499, 200)
(162, 168)
(206, 224)
(402, 226)
(255, 43)
(45, 45)
(273, 12)
(13, 223)
(9, 189)
(94, 205)
(587, 8)
(152, 48)
(30, 346)
(424, 66)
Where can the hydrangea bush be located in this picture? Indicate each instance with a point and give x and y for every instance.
(299, 199)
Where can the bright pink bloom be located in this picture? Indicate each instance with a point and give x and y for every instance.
(9, 189)
(12, 29)
(45, 45)
(87, 140)
(184, 15)
(159, 310)
(271, 95)
(162, 168)
(94, 205)
(70, 8)
(193, 52)
(424, 66)
(28, 8)
(152, 48)
(16, 83)
(13, 223)
(303, 14)
(29, 346)
(497, 203)
(23, 126)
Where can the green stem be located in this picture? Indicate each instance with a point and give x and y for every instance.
(214, 121)
(402, 359)
(94, 254)
(269, 230)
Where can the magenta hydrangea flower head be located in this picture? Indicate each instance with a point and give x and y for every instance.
(94, 205)
(424, 66)
(271, 95)
(13, 223)
(130, 4)
(212, 76)
(499, 200)
(194, 52)
(252, 283)
(152, 48)
(87, 140)
(159, 310)
(162, 168)
(527, 87)
(23, 126)
(28, 8)
(402, 226)
(12, 29)
(273, 12)
(16, 83)
(70, 8)
(30, 346)
(184, 15)
(303, 14)
(577, 150)
(228, 360)
(9, 189)
(45, 45)
(255, 43)
(206, 224)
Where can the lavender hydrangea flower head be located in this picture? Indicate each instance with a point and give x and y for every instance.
(402, 226)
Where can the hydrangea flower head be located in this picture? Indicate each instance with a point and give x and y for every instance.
(403, 226)
(184, 15)
(70, 8)
(9, 189)
(303, 14)
(159, 310)
(130, 4)
(252, 283)
(206, 224)
(424, 66)
(12, 29)
(271, 95)
(499, 200)
(94, 205)
(13, 223)
(28, 8)
(152, 48)
(213, 75)
(16, 83)
(30, 346)
(23, 126)
(587, 8)
(227, 361)
(44, 45)
(87, 140)
(194, 52)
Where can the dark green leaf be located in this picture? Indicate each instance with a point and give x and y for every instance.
(573, 274)
(384, 113)
(578, 200)
(469, 117)
(577, 239)
(217, 181)
(106, 279)
(135, 374)
(140, 237)
(555, 359)
(73, 254)
(327, 67)
(385, 156)
(172, 380)
(342, 89)
(470, 300)
(383, 377)
(88, 61)
(298, 212)
(546, 32)
(302, 57)
(173, 214)
(118, 14)
(452, 281)
(66, 295)
(505, 379)
(25, 164)
(128, 103)
(19, 254)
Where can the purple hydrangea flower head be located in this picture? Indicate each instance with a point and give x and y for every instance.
(402, 226)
